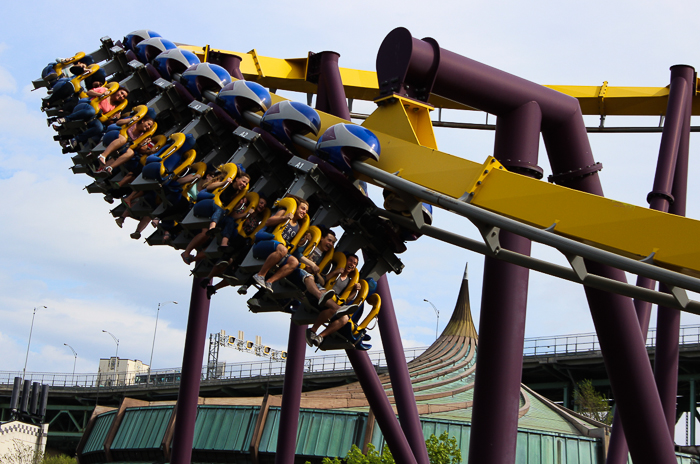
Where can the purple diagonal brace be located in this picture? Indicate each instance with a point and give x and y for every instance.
(187, 397)
(398, 373)
(621, 341)
(569, 151)
(384, 414)
(617, 449)
(331, 98)
(294, 370)
(670, 180)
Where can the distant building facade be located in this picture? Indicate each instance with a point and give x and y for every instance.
(118, 372)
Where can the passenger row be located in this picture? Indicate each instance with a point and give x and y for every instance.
(207, 178)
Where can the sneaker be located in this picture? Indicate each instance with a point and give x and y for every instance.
(119, 221)
(259, 281)
(230, 273)
(309, 341)
(347, 309)
(210, 291)
(268, 286)
(104, 171)
(325, 297)
(316, 339)
(135, 235)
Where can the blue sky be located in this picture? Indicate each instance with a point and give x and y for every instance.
(63, 250)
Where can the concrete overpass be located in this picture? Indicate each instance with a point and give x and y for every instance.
(552, 366)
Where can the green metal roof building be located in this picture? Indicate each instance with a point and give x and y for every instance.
(244, 430)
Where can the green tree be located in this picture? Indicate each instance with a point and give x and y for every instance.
(355, 456)
(441, 450)
(591, 403)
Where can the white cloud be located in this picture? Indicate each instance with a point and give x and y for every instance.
(20, 124)
(7, 82)
(62, 249)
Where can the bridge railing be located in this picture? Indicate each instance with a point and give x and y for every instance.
(538, 346)
(332, 362)
(164, 377)
(588, 342)
(51, 379)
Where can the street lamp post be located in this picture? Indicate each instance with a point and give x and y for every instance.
(150, 362)
(75, 358)
(116, 355)
(31, 328)
(437, 313)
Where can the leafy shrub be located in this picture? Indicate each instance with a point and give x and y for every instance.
(58, 459)
(441, 450)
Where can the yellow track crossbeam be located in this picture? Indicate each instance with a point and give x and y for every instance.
(624, 229)
(408, 149)
(290, 74)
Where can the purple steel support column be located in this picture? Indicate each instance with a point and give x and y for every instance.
(195, 339)
(630, 373)
(293, 378)
(617, 326)
(423, 66)
(564, 132)
(291, 394)
(331, 94)
(618, 449)
(383, 413)
(494, 429)
(668, 319)
(231, 63)
(398, 373)
(676, 128)
(615, 319)
(668, 327)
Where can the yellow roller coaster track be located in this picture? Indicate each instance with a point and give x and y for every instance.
(409, 150)
(291, 74)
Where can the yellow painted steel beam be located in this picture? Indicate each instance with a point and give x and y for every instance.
(408, 149)
(605, 223)
(290, 74)
(627, 230)
(621, 101)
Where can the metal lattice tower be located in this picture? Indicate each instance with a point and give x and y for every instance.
(213, 359)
